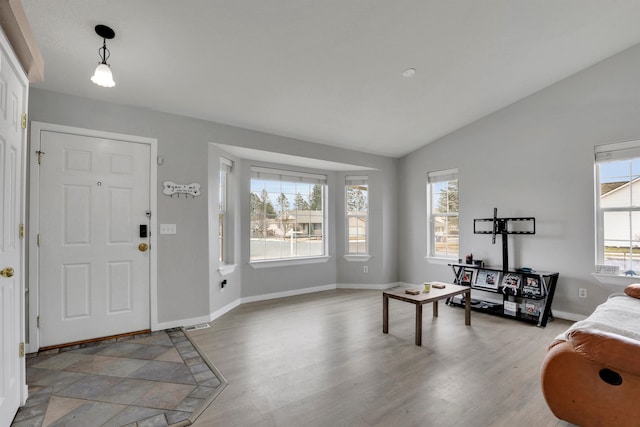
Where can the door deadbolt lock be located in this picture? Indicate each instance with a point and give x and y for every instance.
(6, 272)
(142, 247)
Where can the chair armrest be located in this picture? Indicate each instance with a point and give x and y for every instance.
(608, 349)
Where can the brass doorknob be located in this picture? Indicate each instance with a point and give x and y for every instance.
(142, 247)
(6, 272)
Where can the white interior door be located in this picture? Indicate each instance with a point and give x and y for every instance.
(12, 105)
(93, 277)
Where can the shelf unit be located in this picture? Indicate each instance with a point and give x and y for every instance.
(526, 295)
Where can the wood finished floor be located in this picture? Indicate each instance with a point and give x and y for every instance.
(322, 360)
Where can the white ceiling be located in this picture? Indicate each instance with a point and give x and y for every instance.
(329, 71)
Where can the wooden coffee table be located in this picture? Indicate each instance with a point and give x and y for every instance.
(422, 298)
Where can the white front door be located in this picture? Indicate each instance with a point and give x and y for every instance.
(12, 141)
(93, 276)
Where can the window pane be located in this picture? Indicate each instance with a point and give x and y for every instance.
(622, 240)
(445, 197)
(357, 198)
(635, 167)
(286, 219)
(617, 183)
(357, 208)
(616, 228)
(445, 232)
(619, 191)
(221, 254)
(357, 235)
(223, 250)
(442, 212)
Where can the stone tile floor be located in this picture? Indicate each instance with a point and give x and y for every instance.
(158, 379)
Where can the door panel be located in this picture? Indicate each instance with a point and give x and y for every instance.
(94, 194)
(120, 288)
(76, 291)
(76, 208)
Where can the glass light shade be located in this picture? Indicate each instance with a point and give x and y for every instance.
(102, 76)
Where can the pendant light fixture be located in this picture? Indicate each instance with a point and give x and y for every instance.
(102, 76)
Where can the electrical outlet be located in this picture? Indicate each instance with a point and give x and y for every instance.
(582, 292)
(365, 269)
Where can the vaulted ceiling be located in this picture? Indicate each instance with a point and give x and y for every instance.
(329, 71)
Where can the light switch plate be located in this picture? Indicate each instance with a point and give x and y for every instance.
(167, 229)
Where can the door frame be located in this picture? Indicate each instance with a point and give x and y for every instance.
(34, 218)
(15, 64)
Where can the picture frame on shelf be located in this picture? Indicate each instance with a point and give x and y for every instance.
(511, 283)
(487, 279)
(531, 308)
(533, 286)
(510, 308)
(466, 276)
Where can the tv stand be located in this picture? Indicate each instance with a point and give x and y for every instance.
(521, 294)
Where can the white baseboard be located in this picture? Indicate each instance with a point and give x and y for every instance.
(405, 285)
(372, 286)
(285, 294)
(567, 316)
(181, 323)
(227, 308)
(198, 320)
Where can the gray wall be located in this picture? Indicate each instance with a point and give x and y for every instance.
(533, 158)
(188, 285)
(382, 236)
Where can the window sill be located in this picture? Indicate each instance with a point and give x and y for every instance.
(615, 279)
(357, 258)
(441, 261)
(288, 262)
(226, 269)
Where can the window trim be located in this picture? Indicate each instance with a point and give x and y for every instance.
(352, 180)
(288, 175)
(606, 153)
(288, 262)
(357, 258)
(432, 178)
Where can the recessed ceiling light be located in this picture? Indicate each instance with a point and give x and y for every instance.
(409, 72)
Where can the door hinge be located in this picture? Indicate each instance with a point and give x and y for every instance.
(21, 350)
(23, 122)
(38, 322)
(40, 153)
(38, 240)
(21, 231)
